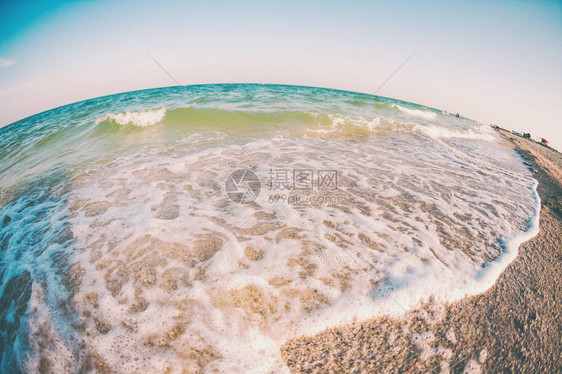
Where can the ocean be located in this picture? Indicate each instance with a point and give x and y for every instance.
(200, 227)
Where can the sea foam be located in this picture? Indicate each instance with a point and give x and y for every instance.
(416, 112)
(178, 257)
(133, 256)
(142, 118)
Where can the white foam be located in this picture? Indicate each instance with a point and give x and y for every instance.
(413, 263)
(142, 118)
(382, 125)
(416, 112)
(474, 132)
(421, 210)
(492, 270)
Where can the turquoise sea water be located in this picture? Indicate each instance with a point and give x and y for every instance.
(120, 243)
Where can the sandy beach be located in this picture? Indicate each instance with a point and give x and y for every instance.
(125, 239)
(274, 187)
(514, 327)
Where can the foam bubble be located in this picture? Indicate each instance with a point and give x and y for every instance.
(416, 112)
(134, 258)
(475, 132)
(235, 281)
(142, 118)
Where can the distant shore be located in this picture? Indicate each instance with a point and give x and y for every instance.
(513, 327)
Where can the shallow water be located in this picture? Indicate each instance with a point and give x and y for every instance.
(121, 242)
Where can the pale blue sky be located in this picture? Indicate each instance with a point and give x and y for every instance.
(494, 61)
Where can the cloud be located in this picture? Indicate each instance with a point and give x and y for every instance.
(5, 62)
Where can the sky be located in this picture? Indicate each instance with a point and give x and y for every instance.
(493, 61)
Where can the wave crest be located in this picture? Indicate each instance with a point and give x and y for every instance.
(475, 132)
(142, 118)
(346, 126)
(416, 112)
(295, 122)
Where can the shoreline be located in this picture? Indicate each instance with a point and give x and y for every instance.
(512, 327)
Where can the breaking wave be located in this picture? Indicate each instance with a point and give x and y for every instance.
(121, 249)
(293, 122)
(416, 112)
(143, 118)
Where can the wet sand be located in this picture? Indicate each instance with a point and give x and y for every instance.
(514, 327)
